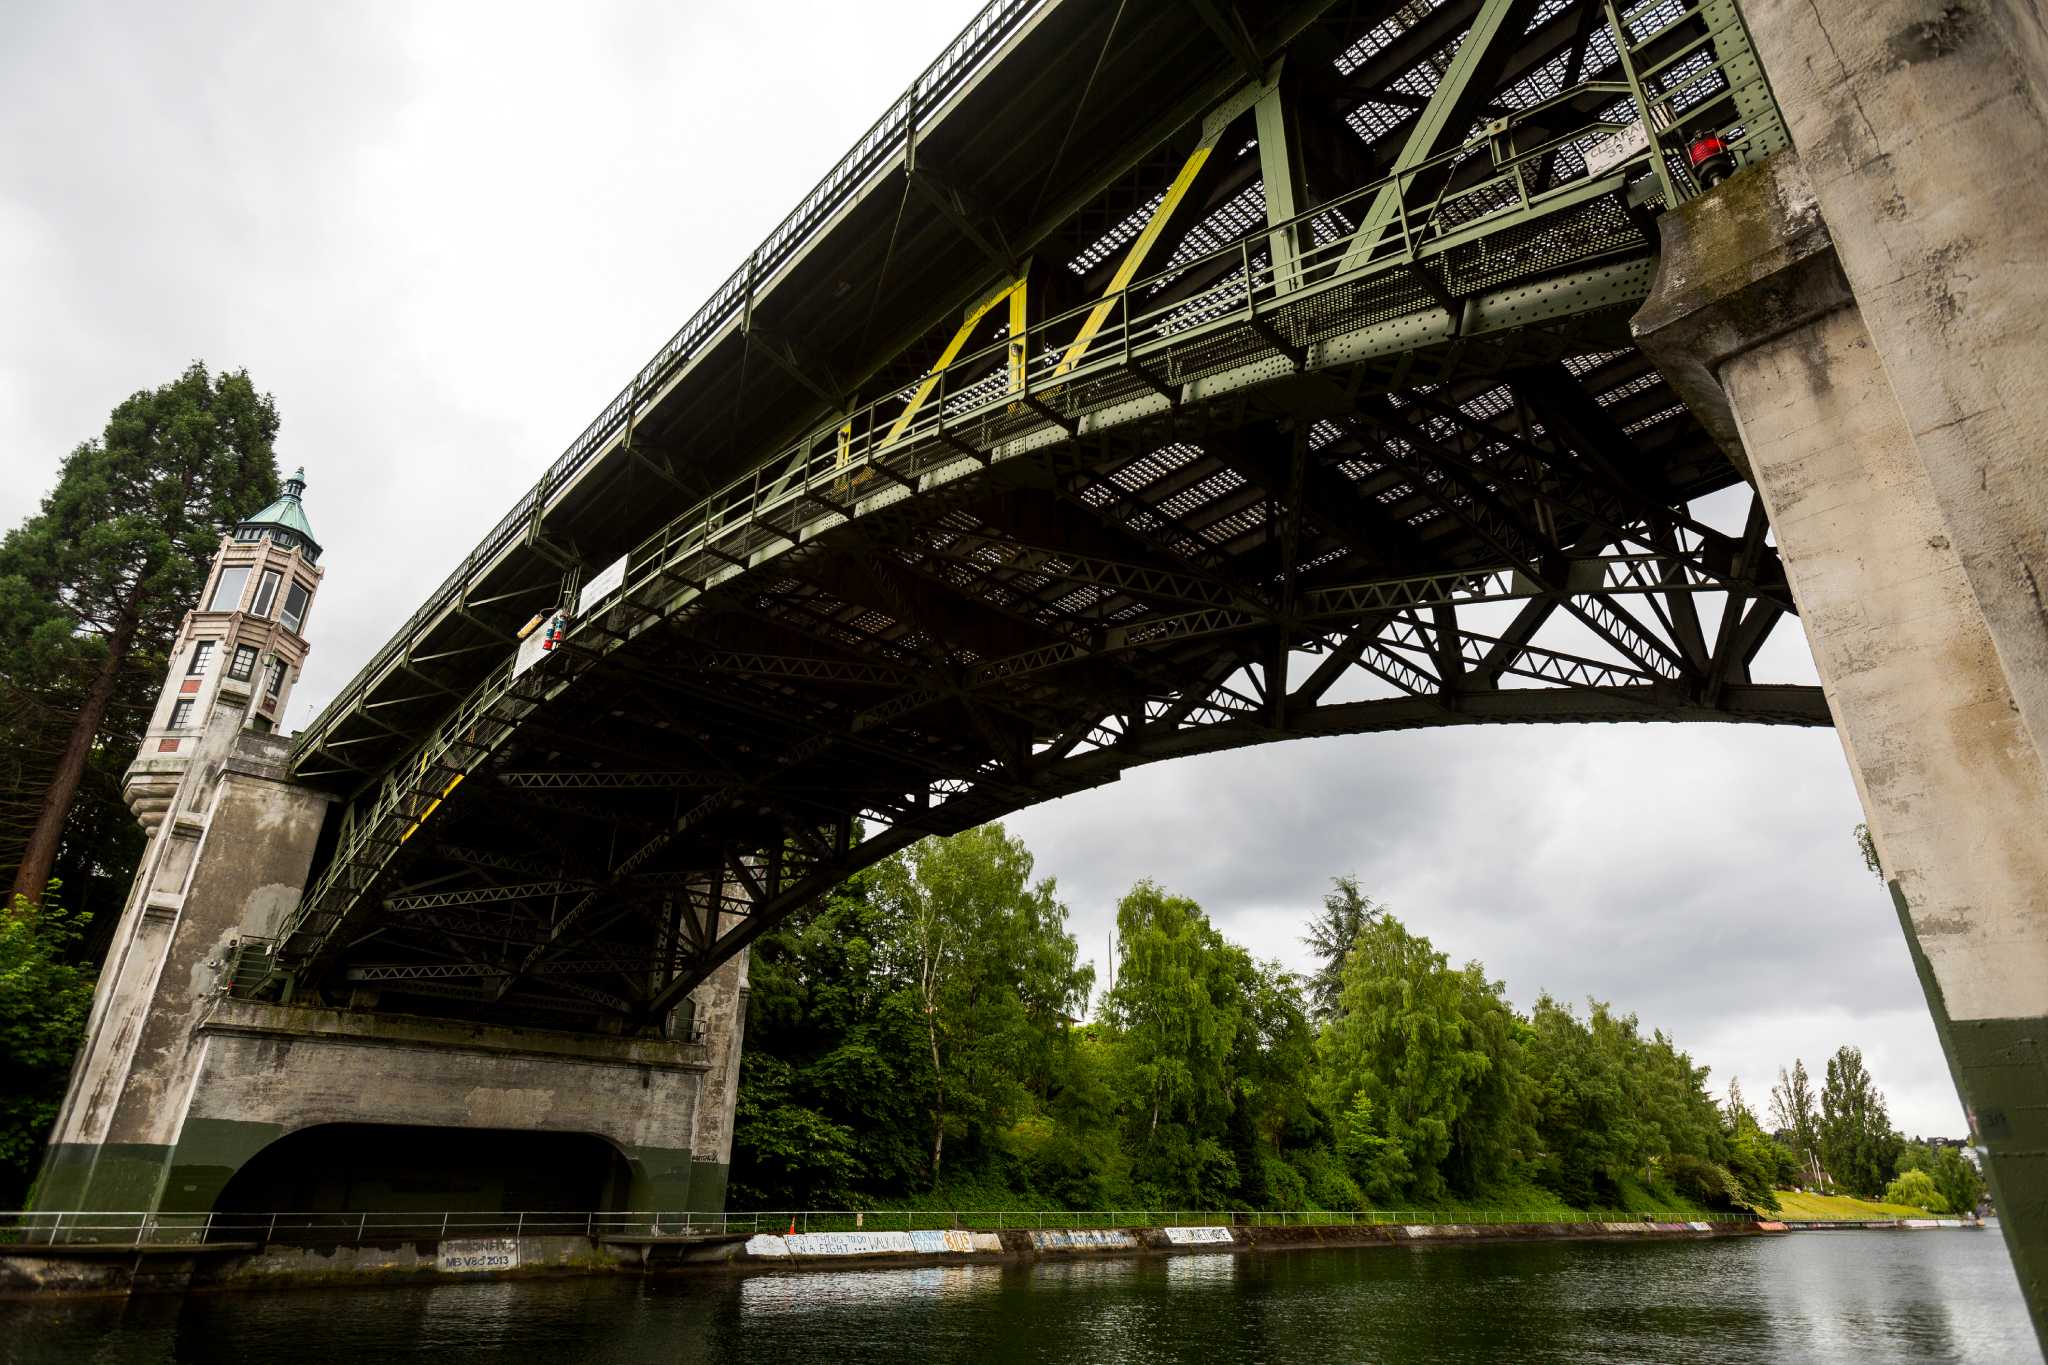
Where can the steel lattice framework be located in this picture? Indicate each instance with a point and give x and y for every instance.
(1145, 384)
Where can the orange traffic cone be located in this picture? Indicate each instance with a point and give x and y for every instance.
(792, 1227)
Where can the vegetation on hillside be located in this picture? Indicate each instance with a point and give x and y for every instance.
(44, 998)
(917, 1039)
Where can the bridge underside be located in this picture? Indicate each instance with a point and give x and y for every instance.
(1288, 393)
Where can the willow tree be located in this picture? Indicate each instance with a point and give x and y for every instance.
(94, 584)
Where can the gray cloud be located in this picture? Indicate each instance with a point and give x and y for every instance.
(443, 235)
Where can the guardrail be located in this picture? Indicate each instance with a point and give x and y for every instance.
(156, 1230)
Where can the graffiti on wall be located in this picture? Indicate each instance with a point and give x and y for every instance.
(849, 1244)
(1050, 1239)
(1198, 1236)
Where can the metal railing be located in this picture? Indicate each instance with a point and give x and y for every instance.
(143, 1230)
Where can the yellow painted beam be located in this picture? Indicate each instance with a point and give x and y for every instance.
(1135, 257)
(1014, 293)
(432, 806)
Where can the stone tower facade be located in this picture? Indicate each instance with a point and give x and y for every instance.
(239, 651)
(230, 842)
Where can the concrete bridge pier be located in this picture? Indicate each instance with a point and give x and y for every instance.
(1860, 324)
(188, 1099)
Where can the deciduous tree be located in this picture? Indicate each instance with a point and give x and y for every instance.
(1857, 1144)
(44, 998)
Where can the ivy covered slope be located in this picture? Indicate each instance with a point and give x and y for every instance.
(924, 1038)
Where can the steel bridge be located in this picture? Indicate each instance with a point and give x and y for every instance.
(1150, 380)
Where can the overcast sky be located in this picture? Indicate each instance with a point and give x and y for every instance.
(443, 236)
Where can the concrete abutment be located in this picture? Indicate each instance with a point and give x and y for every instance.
(1769, 338)
(181, 1084)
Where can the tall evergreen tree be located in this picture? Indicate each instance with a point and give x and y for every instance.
(1347, 911)
(92, 587)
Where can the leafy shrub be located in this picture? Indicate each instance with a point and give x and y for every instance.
(1917, 1190)
(1330, 1186)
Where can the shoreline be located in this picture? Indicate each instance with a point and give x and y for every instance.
(30, 1273)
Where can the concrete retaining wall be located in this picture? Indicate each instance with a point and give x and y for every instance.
(26, 1271)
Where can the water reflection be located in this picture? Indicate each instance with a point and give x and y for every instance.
(1936, 1296)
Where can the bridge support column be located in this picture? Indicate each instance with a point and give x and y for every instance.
(228, 857)
(1753, 320)
(180, 1084)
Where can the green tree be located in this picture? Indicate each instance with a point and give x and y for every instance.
(1962, 1188)
(1178, 1006)
(1346, 912)
(1796, 1112)
(1858, 1147)
(44, 1000)
(1585, 1129)
(1916, 1189)
(995, 972)
(1429, 1050)
(827, 1003)
(93, 586)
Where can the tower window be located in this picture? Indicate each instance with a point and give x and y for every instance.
(266, 593)
(181, 715)
(227, 594)
(202, 657)
(274, 681)
(296, 599)
(243, 664)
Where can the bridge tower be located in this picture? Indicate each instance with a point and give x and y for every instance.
(181, 1084)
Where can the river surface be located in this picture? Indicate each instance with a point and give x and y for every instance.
(1816, 1296)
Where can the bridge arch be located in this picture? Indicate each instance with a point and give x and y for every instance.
(810, 574)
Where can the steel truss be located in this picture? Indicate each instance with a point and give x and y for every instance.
(1341, 463)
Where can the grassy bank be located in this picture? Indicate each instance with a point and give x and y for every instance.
(979, 1205)
(1817, 1206)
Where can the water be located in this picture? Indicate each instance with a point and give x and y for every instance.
(1827, 1296)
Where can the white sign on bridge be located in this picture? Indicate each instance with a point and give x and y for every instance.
(478, 1253)
(1605, 155)
(601, 585)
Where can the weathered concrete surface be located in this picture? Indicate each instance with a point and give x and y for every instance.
(1924, 127)
(1739, 267)
(271, 1069)
(1952, 784)
(180, 1085)
(719, 1006)
(227, 861)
